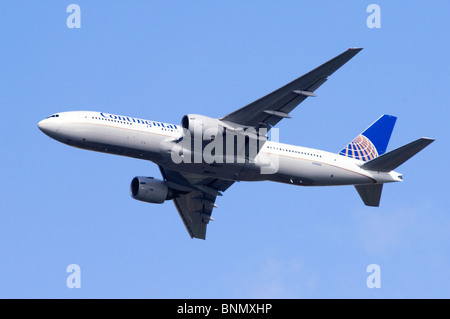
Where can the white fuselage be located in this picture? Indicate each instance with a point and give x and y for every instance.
(154, 141)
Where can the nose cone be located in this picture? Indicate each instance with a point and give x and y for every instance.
(41, 124)
(48, 127)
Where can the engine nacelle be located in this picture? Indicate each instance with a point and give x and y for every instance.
(201, 127)
(150, 190)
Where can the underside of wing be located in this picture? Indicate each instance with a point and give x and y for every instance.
(272, 108)
(194, 199)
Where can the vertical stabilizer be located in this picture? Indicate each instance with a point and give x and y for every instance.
(373, 141)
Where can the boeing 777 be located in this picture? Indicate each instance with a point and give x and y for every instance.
(203, 157)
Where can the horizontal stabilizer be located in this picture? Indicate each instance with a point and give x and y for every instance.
(370, 194)
(390, 161)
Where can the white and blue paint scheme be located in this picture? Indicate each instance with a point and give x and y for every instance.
(194, 185)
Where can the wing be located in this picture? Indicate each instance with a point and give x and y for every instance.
(272, 108)
(195, 198)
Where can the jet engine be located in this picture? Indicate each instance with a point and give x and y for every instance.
(150, 190)
(201, 127)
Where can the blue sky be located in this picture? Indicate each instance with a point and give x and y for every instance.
(162, 59)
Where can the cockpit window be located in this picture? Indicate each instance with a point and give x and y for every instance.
(54, 115)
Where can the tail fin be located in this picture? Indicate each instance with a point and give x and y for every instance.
(373, 141)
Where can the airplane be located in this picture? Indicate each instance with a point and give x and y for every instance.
(204, 156)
